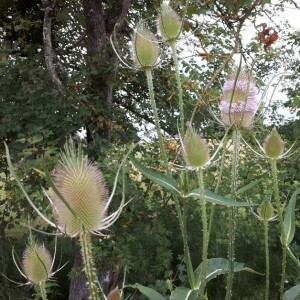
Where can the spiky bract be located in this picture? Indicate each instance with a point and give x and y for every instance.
(169, 23)
(37, 263)
(266, 210)
(82, 187)
(145, 50)
(273, 145)
(195, 149)
(239, 102)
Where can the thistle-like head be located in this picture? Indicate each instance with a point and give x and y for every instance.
(80, 204)
(195, 149)
(37, 263)
(266, 211)
(169, 23)
(145, 50)
(273, 145)
(239, 101)
(114, 294)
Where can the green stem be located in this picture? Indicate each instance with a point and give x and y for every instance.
(43, 291)
(211, 216)
(234, 174)
(182, 225)
(205, 235)
(266, 231)
(179, 87)
(155, 114)
(280, 217)
(89, 267)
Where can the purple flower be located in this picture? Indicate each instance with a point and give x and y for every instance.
(239, 101)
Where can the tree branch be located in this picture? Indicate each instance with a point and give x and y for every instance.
(48, 53)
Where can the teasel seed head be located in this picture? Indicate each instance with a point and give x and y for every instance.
(37, 263)
(273, 145)
(195, 149)
(239, 102)
(266, 210)
(114, 294)
(169, 23)
(145, 50)
(80, 183)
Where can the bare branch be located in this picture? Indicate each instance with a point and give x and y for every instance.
(48, 53)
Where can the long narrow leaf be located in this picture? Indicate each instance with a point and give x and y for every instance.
(289, 219)
(163, 180)
(182, 293)
(150, 293)
(218, 199)
(248, 186)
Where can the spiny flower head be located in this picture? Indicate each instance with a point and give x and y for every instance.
(169, 23)
(195, 149)
(84, 193)
(273, 145)
(266, 210)
(37, 263)
(114, 294)
(239, 102)
(145, 50)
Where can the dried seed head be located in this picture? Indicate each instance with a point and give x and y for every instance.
(169, 23)
(195, 149)
(239, 102)
(80, 183)
(145, 50)
(37, 263)
(273, 145)
(114, 294)
(266, 210)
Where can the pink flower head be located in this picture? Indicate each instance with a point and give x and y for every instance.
(239, 102)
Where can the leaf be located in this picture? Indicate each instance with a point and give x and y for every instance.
(289, 219)
(163, 180)
(248, 186)
(292, 293)
(150, 293)
(182, 293)
(218, 199)
(218, 266)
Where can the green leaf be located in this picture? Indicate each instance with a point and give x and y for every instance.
(182, 293)
(293, 293)
(218, 266)
(163, 180)
(218, 199)
(150, 293)
(248, 186)
(289, 219)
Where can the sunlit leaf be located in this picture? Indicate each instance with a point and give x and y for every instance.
(150, 293)
(182, 293)
(292, 293)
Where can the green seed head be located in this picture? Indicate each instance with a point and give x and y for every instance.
(169, 23)
(266, 210)
(273, 145)
(37, 263)
(195, 150)
(80, 183)
(145, 47)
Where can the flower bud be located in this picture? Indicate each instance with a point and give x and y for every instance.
(195, 150)
(114, 294)
(273, 145)
(266, 210)
(145, 47)
(169, 23)
(37, 263)
(239, 102)
(84, 193)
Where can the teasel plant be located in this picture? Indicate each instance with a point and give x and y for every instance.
(80, 200)
(272, 149)
(36, 266)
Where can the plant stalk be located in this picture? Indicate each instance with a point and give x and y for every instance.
(280, 217)
(266, 231)
(179, 87)
(155, 114)
(236, 136)
(89, 268)
(205, 235)
(43, 291)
